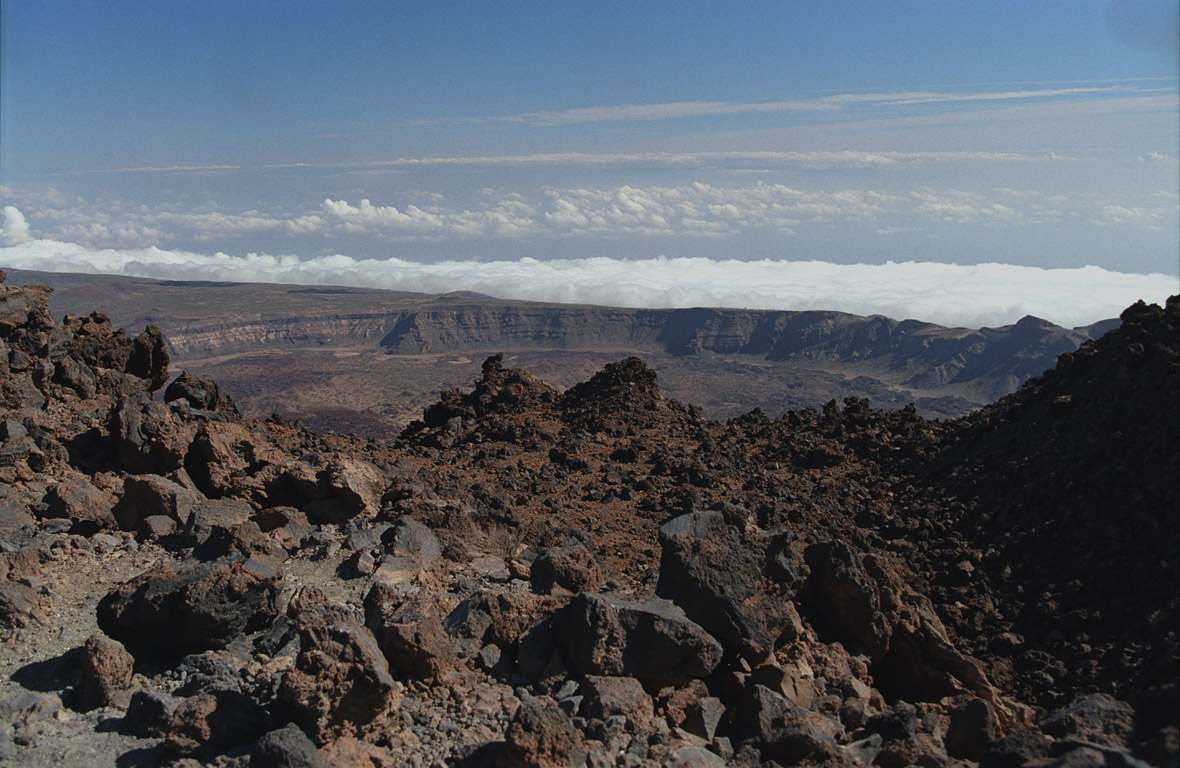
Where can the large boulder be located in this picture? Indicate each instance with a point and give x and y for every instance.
(78, 500)
(605, 697)
(145, 496)
(499, 618)
(783, 732)
(409, 633)
(571, 567)
(149, 358)
(200, 394)
(148, 437)
(713, 566)
(211, 722)
(227, 459)
(106, 673)
(846, 600)
(651, 640)
(340, 685)
(177, 609)
(540, 736)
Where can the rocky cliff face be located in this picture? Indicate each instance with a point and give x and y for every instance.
(991, 362)
(236, 318)
(217, 336)
(594, 576)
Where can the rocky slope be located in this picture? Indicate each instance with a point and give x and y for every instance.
(597, 576)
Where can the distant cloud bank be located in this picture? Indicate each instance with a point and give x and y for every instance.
(948, 294)
(14, 228)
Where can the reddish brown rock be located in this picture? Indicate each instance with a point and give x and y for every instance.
(573, 568)
(148, 495)
(107, 669)
(210, 722)
(355, 753)
(540, 736)
(78, 500)
(410, 634)
(23, 563)
(608, 696)
(19, 605)
(340, 685)
(148, 438)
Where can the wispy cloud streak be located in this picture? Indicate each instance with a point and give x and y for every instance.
(684, 109)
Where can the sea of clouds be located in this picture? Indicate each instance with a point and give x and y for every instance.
(948, 294)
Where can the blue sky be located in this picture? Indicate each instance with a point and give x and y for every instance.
(1041, 135)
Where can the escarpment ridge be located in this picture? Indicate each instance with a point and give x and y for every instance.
(256, 339)
(531, 576)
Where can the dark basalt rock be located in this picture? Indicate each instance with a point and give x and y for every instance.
(286, 747)
(149, 358)
(847, 599)
(714, 570)
(202, 394)
(172, 610)
(652, 641)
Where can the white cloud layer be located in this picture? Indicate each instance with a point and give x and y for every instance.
(14, 229)
(949, 294)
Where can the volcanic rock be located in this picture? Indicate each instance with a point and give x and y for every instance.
(148, 437)
(714, 570)
(171, 610)
(409, 633)
(651, 640)
(783, 732)
(947, 574)
(207, 722)
(540, 736)
(340, 685)
(19, 606)
(605, 697)
(1098, 718)
(286, 747)
(106, 674)
(148, 495)
(573, 568)
(201, 394)
(78, 500)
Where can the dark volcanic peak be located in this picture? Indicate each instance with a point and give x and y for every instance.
(1071, 486)
(502, 399)
(596, 577)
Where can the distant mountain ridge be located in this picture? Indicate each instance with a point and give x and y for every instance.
(993, 361)
(948, 371)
